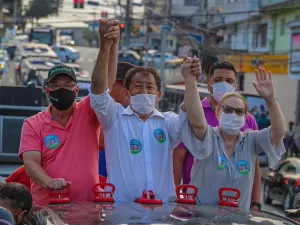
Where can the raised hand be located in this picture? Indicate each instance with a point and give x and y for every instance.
(113, 31)
(191, 69)
(103, 28)
(264, 84)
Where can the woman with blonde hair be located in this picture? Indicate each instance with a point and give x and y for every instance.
(224, 156)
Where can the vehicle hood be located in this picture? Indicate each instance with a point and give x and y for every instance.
(134, 213)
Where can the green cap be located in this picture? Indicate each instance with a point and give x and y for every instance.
(61, 70)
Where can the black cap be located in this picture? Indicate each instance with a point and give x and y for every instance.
(123, 68)
(61, 70)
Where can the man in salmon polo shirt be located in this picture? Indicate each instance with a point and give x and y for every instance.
(59, 146)
(222, 79)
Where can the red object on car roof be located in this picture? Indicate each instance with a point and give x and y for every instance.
(186, 198)
(228, 200)
(148, 197)
(60, 196)
(104, 196)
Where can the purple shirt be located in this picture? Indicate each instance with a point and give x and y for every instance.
(250, 124)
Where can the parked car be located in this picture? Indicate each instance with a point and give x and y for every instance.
(283, 183)
(263, 159)
(156, 58)
(71, 53)
(3, 64)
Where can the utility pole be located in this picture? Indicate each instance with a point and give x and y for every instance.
(127, 22)
(147, 15)
(15, 11)
(164, 44)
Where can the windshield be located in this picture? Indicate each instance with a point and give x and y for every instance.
(42, 37)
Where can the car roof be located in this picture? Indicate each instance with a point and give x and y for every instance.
(31, 49)
(72, 65)
(135, 213)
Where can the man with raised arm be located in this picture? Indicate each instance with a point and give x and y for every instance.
(59, 146)
(139, 139)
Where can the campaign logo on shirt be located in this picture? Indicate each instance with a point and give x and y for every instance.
(159, 135)
(51, 141)
(243, 167)
(221, 162)
(135, 146)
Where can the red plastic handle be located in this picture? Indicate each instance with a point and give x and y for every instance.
(229, 200)
(186, 198)
(60, 196)
(148, 197)
(104, 196)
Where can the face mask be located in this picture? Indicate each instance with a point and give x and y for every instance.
(231, 123)
(62, 99)
(143, 103)
(220, 89)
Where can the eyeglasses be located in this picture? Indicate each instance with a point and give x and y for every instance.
(228, 110)
(58, 86)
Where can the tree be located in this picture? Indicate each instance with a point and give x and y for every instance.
(38, 9)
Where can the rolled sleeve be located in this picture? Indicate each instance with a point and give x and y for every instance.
(263, 144)
(105, 108)
(30, 140)
(173, 124)
(200, 149)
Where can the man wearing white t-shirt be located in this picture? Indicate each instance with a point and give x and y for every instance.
(139, 139)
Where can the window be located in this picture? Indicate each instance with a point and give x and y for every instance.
(263, 35)
(255, 40)
(191, 2)
(282, 26)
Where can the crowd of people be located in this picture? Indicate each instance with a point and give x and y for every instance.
(216, 138)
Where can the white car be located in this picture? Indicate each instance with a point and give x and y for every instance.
(79, 72)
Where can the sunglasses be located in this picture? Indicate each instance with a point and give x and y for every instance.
(228, 110)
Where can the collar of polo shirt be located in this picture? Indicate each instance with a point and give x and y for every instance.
(128, 111)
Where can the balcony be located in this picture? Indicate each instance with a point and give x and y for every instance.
(267, 3)
(234, 12)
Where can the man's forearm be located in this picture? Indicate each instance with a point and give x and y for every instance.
(100, 72)
(37, 174)
(113, 64)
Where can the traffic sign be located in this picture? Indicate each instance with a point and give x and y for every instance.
(165, 28)
(93, 3)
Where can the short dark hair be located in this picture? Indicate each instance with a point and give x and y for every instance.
(146, 71)
(221, 65)
(18, 195)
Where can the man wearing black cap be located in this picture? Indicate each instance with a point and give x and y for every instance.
(118, 94)
(59, 146)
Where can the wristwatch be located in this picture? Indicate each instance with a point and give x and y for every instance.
(257, 204)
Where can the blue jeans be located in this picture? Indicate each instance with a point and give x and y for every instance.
(102, 163)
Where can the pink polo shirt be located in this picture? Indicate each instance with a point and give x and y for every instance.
(212, 120)
(69, 152)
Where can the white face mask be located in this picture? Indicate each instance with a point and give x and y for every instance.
(231, 123)
(143, 103)
(220, 89)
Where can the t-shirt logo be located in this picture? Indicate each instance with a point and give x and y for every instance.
(243, 167)
(135, 146)
(51, 141)
(159, 135)
(221, 162)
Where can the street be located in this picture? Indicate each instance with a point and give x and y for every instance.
(87, 61)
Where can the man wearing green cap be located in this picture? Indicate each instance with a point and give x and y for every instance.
(59, 146)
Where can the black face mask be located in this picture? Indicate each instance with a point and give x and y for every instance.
(62, 99)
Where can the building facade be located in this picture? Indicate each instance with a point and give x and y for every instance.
(255, 33)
